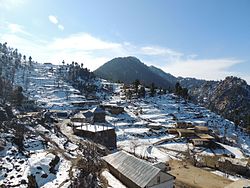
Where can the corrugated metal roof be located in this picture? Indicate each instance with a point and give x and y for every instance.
(137, 170)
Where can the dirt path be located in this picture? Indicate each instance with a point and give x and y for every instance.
(190, 176)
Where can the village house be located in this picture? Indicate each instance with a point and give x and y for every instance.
(100, 133)
(96, 115)
(84, 104)
(91, 124)
(183, 125)
(60, 113)
(136, 173)
(113, 109)
(204, 136)
(182, 132)
(82, 117)
(204, 140)
(201, 129)
(200, 142)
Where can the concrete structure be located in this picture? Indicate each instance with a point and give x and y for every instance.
(99, 133)
(136, 173)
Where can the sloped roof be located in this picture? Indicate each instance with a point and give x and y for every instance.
(204, 136)
(137, 170)
(87, 114)
(98, 110)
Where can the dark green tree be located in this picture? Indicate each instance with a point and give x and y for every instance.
(142, 92)
(164, 91)
(152, 90)
(177, 88)
(136, 85)
(129, 94)
(30, 60)
(17, 96)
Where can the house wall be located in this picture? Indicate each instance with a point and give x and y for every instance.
(99, 117)
(168, 184)
(106, 137)
(225, 166)
(164, 181)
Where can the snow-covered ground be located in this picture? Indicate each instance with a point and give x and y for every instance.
(43, 85)
(146, 120)
(112, 181)
(15, 167)
(139, 130)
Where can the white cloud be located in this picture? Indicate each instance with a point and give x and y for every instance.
(93, 52)
(53, 19)
(10, 4)
(156, 51)
(211, 69)
(82, 41)
(61, 27)
(16, 28)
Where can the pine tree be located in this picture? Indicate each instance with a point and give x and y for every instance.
(152, 90)
(142, 92)
(17, 96)
(136, 85)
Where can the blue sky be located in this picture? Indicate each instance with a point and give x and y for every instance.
(207, 39)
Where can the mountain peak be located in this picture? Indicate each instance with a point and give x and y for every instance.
(128, 69)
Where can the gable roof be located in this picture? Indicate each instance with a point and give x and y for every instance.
(87, 114)
(137, 170)
(98, 110)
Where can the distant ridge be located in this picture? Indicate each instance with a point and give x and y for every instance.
(128, 69)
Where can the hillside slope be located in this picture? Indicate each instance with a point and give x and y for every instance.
(229, 97)
(167, 76)
(128, 69)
